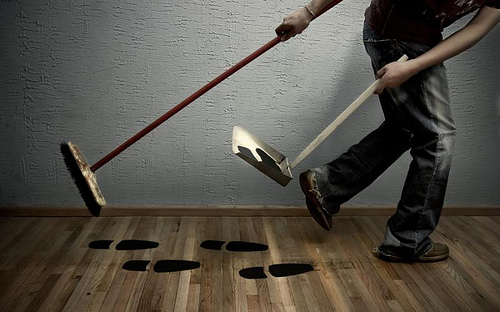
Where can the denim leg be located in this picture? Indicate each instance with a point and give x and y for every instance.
(417, 117)
(423, 106)
(427, 111)
(349, 174)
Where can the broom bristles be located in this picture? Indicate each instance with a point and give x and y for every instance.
(78, 178)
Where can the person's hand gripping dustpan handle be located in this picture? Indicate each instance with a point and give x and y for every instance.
(343, 116)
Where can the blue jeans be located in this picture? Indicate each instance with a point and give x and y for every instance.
(417, 118)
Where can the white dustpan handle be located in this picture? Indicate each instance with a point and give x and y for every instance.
(343, 116)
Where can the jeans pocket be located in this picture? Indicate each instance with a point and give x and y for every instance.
(379, 47)
(381, 51)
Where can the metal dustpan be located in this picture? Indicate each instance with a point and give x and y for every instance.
(262, 156)
(274, 164)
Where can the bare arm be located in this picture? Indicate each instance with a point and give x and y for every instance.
(396, 73)
(299, 20)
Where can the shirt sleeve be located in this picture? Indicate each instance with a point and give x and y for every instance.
(493, 3)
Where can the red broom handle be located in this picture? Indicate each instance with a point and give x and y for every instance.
(195, 95)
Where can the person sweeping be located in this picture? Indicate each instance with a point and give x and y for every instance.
(415, 101)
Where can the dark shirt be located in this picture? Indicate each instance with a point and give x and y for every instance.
(419, 20)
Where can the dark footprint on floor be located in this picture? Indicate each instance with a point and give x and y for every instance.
(289, 269)
(162, 266)
(128, 244)
(212, 244)
(165, 266)
(136, 244)
(136, 265)
(235, 246)
(276, 270)
(245, 246)
(253, 273)
(100, 244)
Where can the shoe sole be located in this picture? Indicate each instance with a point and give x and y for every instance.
(312, 203)
(390, 258)
(434, 258)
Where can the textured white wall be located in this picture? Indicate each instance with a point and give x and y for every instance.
(96, 72)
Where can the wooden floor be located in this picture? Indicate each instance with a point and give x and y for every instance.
(47, 265)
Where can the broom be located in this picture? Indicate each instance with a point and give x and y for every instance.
(83, 173)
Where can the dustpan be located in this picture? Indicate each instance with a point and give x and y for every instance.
(274, 164)
(262, 156)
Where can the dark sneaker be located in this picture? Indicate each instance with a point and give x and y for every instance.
(438, 252)
(310, 189)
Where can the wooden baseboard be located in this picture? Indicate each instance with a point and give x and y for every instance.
(225, 211)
